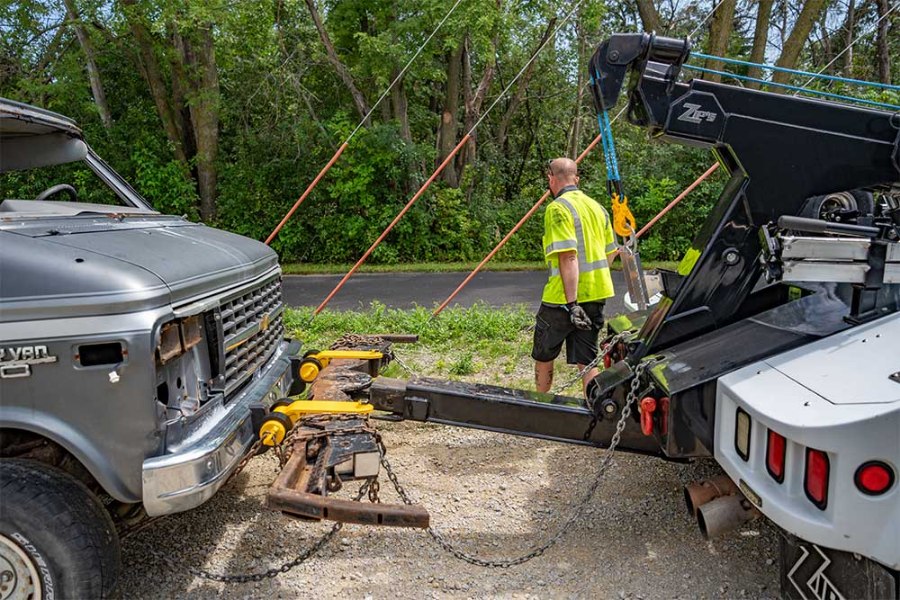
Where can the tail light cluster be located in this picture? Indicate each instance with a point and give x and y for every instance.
(872, 478)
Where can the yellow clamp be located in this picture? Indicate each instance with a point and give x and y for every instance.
(286, 412)
(313, 362)
(623, 221)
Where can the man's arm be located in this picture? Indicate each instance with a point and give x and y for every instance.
(568, 270)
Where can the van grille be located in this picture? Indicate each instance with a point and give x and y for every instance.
(251, 328)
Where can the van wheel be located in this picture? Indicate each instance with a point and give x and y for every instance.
(56, 540)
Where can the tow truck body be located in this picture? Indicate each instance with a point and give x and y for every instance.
(774, 345)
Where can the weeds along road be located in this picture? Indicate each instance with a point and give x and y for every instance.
(406, 290)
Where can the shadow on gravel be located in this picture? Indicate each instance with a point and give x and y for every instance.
(492, 495)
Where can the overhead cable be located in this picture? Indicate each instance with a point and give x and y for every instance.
(447, 159)
(343, 145)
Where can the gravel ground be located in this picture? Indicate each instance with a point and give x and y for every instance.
(494, 495)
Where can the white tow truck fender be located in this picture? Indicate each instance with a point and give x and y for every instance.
(839, 395)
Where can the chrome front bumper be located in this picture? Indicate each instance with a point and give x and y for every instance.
(192, 471)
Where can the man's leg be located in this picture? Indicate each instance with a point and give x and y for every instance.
(550, 328)
(581, 346)
(543, 375)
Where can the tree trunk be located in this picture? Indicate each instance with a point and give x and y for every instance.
(474, 99)
(343, 72)
(401, 106)
(881, 43)
(795, 42)
(521, 88)
(447, 135)
(649, 16)
(87, 47)
(719, 33)
(153, 75)
(760, 39)
(575, 137)
(850, 28)
(199, 62)
(180, 90)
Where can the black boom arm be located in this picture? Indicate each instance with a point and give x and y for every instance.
(778, 150)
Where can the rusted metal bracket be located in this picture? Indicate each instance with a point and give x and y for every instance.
(314, 469)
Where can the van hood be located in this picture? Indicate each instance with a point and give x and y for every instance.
(138, 260)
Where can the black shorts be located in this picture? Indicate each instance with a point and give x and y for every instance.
(552, 327)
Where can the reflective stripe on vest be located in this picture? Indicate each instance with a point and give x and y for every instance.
(583, 265)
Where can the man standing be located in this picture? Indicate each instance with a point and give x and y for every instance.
(578, 239)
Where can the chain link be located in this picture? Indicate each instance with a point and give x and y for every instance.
(570, 521)
(616, 339)
(269, 573)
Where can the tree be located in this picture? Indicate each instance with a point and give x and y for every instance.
(153, 74)
(883, 55)
(84, 40)
(760, 40)
(343, 72)
(649, 15)
(719, 33)
(797, 39)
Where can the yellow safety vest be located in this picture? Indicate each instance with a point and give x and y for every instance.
(574, 221)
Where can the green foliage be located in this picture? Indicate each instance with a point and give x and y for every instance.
(283, 111)
(164, 183)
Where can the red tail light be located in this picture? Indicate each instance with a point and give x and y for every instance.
(874, 478)
(816, 481)
(775, 456)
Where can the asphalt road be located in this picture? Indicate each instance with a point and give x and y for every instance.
(406, 290)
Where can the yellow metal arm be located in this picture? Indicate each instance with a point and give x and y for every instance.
(277, 424)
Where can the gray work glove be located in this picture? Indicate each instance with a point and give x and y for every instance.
(578, 317)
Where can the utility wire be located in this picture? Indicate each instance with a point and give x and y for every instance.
(403, 72)
(705, 19)
(346, 142)
(850, 45)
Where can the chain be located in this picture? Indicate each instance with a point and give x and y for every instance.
(370, 487)
(600, 356)
(143, 524)
(355, 341)
(269, 573)
(573, 517)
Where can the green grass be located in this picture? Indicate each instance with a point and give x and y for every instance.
(477, 344)
(430, 267)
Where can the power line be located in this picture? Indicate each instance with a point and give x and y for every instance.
(334, 158)
(850, 45)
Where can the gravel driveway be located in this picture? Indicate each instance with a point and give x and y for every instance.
(496, 496)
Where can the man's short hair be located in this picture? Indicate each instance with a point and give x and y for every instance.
(564, 168)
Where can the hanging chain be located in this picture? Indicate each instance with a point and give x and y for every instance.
(616, 339)
(574, 516)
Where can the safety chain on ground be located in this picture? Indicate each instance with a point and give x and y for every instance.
(573, 517)
(370, 487)
(261, 575)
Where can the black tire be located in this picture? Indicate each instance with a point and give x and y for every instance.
(279, 403)
(61, 528)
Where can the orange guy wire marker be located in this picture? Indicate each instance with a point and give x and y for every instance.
(312, 185)
(384, 233)
(672, 204)
(512, 231)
